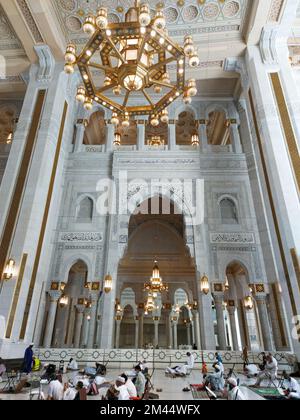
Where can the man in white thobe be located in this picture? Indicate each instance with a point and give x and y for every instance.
(270, 371)
(291, 386)
(121, 388)
(234, 392)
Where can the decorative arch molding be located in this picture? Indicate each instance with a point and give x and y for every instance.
(246, 262)
(186, 108)
(217, 107)
(71, 260)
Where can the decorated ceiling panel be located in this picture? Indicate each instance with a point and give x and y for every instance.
(184, 16)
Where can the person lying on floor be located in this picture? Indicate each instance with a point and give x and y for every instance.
(215, 381)
(182, 370)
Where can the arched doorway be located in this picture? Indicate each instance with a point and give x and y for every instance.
(71, 319)
(156, 235)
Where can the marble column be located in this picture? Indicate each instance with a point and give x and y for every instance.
(203, 135)
(172, 136)
(170, 333)
(188, 333)
(92, 327)
(85, 328)
(193, 332)
(175, 346)
(118, 330)
(78, 325)
(141, 330)
(264, 322)
(54, 298)
(110, 137)
(141, 133)
(219, 299)
(156, 325)
(79, 136)
(197, 329)
(231, 311)
(235, 138)
(137, 327)
(206, 320)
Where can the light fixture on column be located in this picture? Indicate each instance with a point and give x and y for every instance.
(9, 138)
(64, 301)
(248, 303)
(117, 139)
(9, 269)
(150, 304)
(108, 283)
(204, 285)
(226, 284)
(156, 141)
(195, 140)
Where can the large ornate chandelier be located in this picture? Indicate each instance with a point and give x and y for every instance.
(132, 56)
(156, 284)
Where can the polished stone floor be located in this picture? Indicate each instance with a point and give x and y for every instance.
(171, 388)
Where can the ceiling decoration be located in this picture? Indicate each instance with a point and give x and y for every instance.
(8, 37)
(209, 17)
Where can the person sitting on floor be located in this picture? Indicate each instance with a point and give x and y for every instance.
(270, 371)
(291, 387)
(130, 386)
(121, 388)
(140, 382)
(2, 368)
(56, 389)
(182, 370)
(262, 365)
(81, 392)
(72, 365)
(234, 392)
(215, 381)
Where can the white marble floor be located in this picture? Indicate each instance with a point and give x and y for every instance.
(172, 389)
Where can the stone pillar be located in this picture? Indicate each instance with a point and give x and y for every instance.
(264, 322)
(188, 333)
(206, 319)
(78, 325)
(193, 333)
(141, 133)
(118, 330)
(172, 135)
(54, 298)
(231, 312)
(219, 299)
(175, 346)
(235, 138)
(110, 137)
(35, 164)
(141, 329)
(137, 326)
(203, 134)
(85, 328)
(170, 333)
(197, 329)
(243, 325)
(79, 136)
(92, 327)
(156, 325)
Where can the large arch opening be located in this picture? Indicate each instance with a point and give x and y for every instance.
(160, 236)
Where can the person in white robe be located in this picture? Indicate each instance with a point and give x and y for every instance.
(184, 369)
(234, 391)
(215, 380)
(123, 394)
(270, 371)
(291, 387)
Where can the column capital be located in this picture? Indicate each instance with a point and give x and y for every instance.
(80, 308)
(55, 295)
(46, 63)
